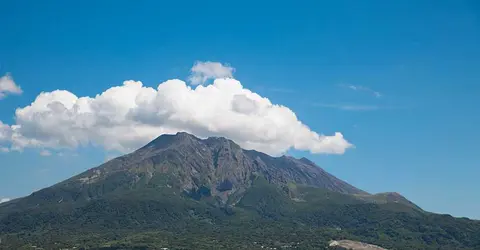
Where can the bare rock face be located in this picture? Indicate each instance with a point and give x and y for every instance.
(215, 167)
(222, 166)
(353, 245)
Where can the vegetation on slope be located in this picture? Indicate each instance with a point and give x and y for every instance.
(154, 217)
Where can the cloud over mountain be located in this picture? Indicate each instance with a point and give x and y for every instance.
(128, 116)
(2, 200)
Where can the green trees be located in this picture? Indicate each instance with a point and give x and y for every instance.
(155, 216)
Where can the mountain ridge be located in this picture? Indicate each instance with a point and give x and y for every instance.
(228, 155)
(230, 168)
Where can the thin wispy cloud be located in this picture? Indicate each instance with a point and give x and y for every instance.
(45, 153)
(348, 107)
(362, 88)
(281, 90)
(274, 89)
(359, 107)
(277, 90)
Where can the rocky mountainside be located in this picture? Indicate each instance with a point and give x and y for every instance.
(353, 245)
(215, 167)
(182, 192)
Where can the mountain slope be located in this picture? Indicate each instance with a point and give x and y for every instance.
(215, 166)
(190, 193)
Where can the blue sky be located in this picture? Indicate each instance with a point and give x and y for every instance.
(399, 79)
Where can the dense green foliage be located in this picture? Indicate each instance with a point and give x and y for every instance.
(154, 216)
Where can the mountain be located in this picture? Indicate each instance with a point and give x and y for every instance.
(182, 192)
(215, 167)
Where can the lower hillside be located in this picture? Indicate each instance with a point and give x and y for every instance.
(157, 217)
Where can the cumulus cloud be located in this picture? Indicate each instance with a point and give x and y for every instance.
(5, 132)
(8, 86)
(203, 71)
(126, 117)
(2, 200)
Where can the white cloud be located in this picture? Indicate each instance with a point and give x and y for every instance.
(45, 153)
(362, 88)
(5, 132)
(2, 200)
(203, 71)
(126, 117)
(4, 150)
(8, 86)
